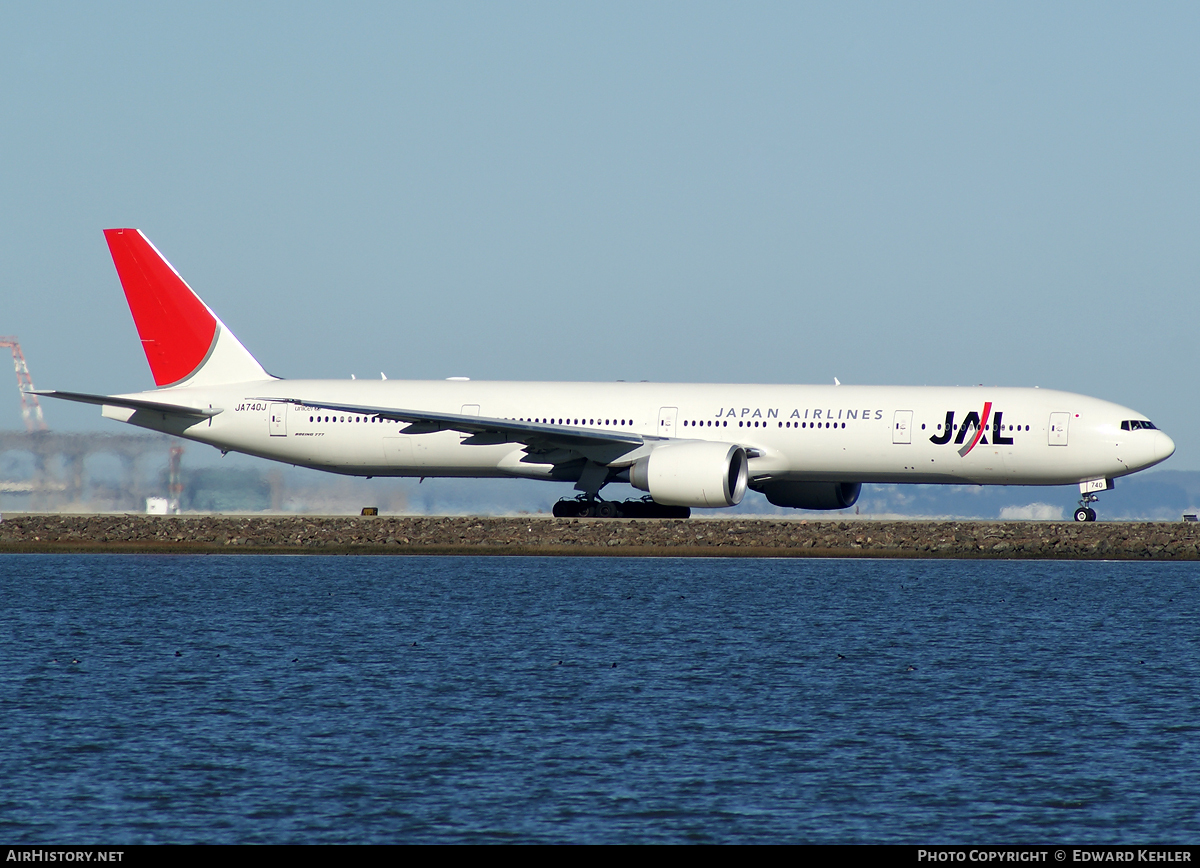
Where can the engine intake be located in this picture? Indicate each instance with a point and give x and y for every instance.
(698, 473)
(812, 495)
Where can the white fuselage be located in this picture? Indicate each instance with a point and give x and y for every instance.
(693, 445)
(802, 433)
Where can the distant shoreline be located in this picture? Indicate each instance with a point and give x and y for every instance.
(544, 536)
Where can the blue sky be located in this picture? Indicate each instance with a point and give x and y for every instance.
(940, 194)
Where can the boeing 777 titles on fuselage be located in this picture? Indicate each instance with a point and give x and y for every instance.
(687, 445)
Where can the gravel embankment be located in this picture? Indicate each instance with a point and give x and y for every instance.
(550, 536)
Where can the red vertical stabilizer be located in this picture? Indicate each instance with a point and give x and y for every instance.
(177, 329)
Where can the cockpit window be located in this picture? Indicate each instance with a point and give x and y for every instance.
(1137, 424)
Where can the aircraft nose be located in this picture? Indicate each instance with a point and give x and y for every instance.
(1164, 447)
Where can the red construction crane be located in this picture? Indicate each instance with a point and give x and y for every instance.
(31, 408)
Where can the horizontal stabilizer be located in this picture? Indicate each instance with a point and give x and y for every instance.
(132, 403)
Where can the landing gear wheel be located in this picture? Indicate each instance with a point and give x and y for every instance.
(1085, 511)
(580, 507)
(571, 509)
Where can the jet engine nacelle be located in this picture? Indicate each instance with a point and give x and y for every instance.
(693, 474)
(812, 495)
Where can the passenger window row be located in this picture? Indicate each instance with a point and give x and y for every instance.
(344, 419)
(762, 424)
(621, 423)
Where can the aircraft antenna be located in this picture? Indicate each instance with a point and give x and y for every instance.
(31, 408)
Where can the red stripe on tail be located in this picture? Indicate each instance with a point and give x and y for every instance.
(176, 328)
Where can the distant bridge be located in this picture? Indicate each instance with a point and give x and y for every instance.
(59, 461)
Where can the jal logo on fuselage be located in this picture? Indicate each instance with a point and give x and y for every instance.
(976, 422)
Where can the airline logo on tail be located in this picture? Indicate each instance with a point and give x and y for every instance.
(180, 334)
(177, 330)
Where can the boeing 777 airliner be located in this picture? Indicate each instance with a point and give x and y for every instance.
(808, 447)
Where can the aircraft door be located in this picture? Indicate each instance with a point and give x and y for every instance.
(902, 427)
(279, 420)
(468, 410)
(1059, 422)
(666, 421)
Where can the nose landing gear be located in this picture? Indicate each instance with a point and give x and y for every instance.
(1085, 512)
(1087, 496)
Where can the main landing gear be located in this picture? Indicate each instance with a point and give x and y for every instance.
(592, 507)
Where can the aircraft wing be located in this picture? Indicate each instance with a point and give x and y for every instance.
(131, 403)
(554, 443)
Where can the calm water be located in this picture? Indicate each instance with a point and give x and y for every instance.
(397, 699)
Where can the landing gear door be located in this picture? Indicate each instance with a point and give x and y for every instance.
(666, 421)
(902, 427)
(279, 420)
(1058, 428)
